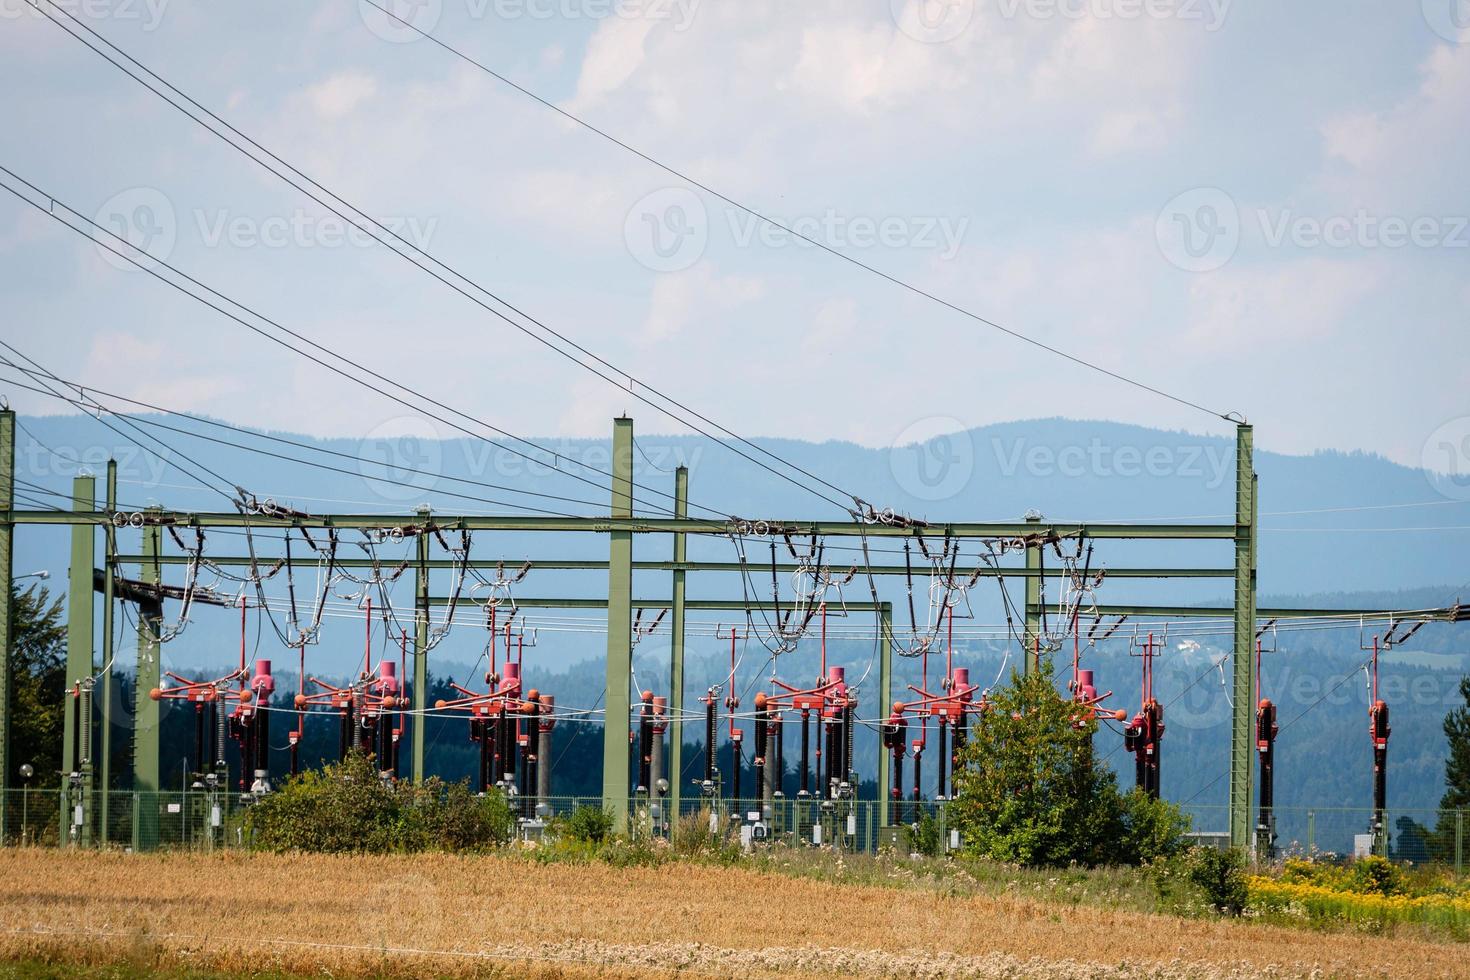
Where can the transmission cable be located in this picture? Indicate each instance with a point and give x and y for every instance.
(766, 219)
(385, 230)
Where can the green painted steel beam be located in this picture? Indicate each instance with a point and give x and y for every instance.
(109, 574)
(1264, 614)
(619, 629)
(147, 714)
(885, 704)
(1033, 611)
(664, 525)
(80, 600)
(1243, 659)
(676, 651)
(420, 695)
(7, 612)
(446, 564)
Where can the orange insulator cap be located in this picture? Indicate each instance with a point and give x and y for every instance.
(246, 697)
(438, 705)
(155, 694)
(300, 700)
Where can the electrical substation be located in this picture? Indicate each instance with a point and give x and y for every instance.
(160, 568)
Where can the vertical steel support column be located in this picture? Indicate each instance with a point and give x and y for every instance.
(1243, 662)
(76, 774)
(619, 630)
(7, 543)
(676, 668)
(421, 653)
(104, 750)
(147, 713)
(1030, 656)
(885, 704)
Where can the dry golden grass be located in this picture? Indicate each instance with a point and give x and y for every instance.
(443, 915)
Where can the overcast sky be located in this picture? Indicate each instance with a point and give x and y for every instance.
(1260, 207)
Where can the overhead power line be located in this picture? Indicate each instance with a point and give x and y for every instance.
(385, 236)
(54, 205)
(768, 220)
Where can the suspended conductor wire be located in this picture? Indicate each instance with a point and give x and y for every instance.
(767, 220)
(384, 230)
(50, 211)
(301, 445)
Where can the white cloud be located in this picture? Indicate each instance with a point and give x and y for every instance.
(615, 52)
(1412, 154)
(339, 95)
(1287, 304)
(680, 300)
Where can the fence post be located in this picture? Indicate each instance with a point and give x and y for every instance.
(1459, 842)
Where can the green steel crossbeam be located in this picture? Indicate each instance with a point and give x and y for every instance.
(652, 525)
(449, 564)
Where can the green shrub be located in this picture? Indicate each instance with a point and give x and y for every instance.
(346, 808)
(1376, 876)
(1220, 875)
(1152, 829)
(928, 838)
(588, 823)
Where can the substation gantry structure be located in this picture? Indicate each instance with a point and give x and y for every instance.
(86, 768)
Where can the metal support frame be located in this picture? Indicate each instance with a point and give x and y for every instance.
(619, 630)
(885, 704)
(7, 579)
(147, 713)
(1243, 660)
(676, 652)
(420, 695)
(77, 773)
(109, 572)
(1031, 656)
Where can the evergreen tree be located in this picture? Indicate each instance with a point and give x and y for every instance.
(1456, 775)
(1031, 792)
(1457, 763)
(38, 682)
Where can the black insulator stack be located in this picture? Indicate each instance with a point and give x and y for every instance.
(710, 723)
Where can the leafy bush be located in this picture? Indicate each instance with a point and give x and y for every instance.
(588, 823)
(1376, 876)
(1152, 829)
(1220, 875)
(928, 837)
(347, 808)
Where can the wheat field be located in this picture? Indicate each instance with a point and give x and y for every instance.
(439, 915)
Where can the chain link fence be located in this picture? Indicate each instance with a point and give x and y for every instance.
(205, 818)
